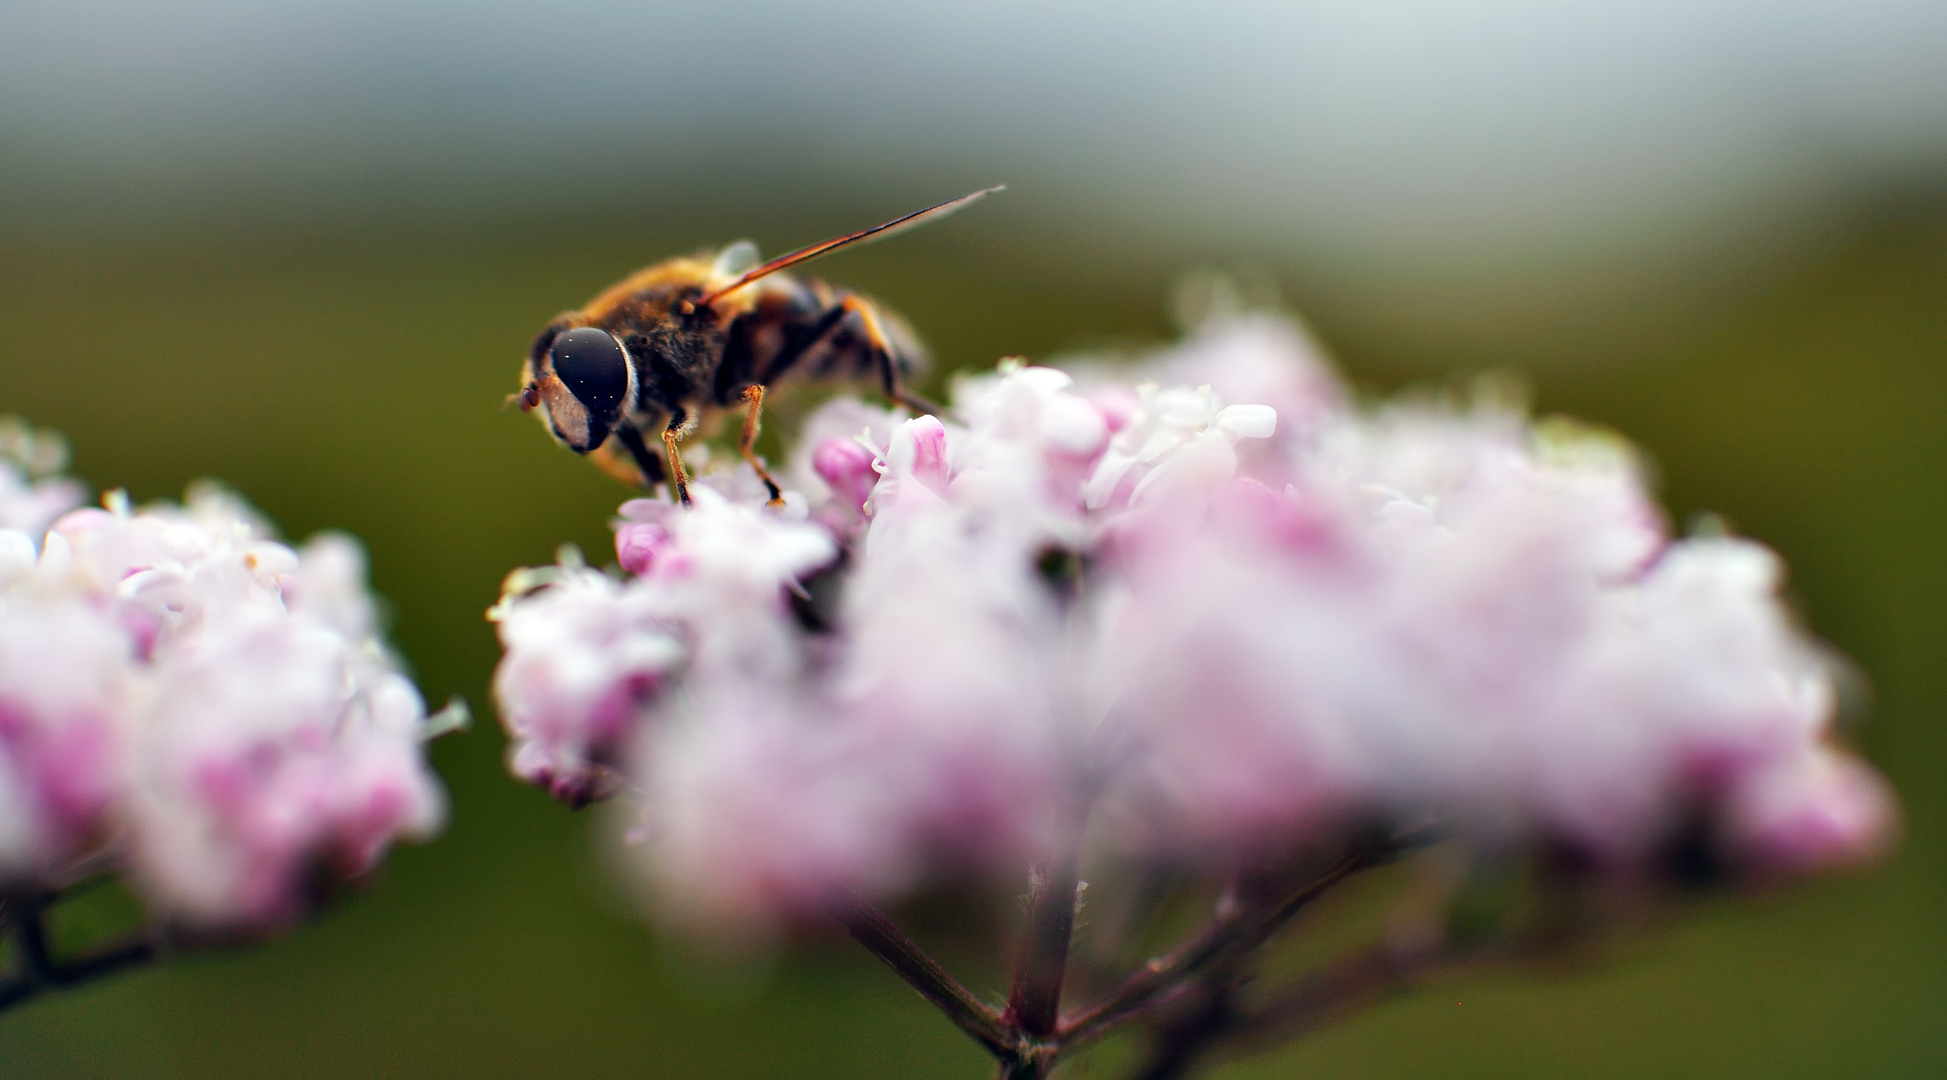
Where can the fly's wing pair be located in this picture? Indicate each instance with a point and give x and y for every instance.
(743, 252)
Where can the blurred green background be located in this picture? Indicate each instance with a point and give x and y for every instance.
(302, 250)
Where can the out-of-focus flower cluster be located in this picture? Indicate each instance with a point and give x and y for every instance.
(189, 701)
(1211, 598)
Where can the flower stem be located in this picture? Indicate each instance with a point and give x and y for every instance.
(1358, 980)
(1229, 935)
(1178, 1045)
(883, 939)
(1034, 1000)
(42, 970)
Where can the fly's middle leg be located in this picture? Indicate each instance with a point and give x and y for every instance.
(754, 397)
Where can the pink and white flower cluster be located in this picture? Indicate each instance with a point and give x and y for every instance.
(204, 708)
(1216, 602)
(32, 490)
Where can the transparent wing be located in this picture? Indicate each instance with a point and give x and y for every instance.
(738, 258)
(877, 232)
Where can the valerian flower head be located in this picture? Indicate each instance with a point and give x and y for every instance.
(32, 490)
(210, 711)
(1216, 602)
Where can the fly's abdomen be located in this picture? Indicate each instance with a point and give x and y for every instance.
(809, 330)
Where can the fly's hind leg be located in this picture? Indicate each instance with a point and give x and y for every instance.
(754, 396)
(882, 351)
(673, 432)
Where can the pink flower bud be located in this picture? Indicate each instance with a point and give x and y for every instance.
(848, 468)
(1824, 810)
(638, 544)
(920, 447)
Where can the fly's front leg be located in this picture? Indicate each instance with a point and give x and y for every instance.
(754, 397)
(673, 432)
(648, 463)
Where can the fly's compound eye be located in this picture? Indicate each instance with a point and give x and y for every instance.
(592, 365)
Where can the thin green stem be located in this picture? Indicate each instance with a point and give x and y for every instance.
(1231, 934)
(883, 939)
(1177, 1046)
(1351, 983)
(41, 970)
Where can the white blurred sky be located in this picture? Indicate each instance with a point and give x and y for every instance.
(1409, 126)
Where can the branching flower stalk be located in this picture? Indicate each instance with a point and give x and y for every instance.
(191, 708)
(24, 920)
(1205, 620)
(1205, 973)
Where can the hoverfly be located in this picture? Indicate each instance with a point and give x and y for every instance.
(656, 351)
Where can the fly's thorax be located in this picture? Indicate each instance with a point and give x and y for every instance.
(673, 354)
